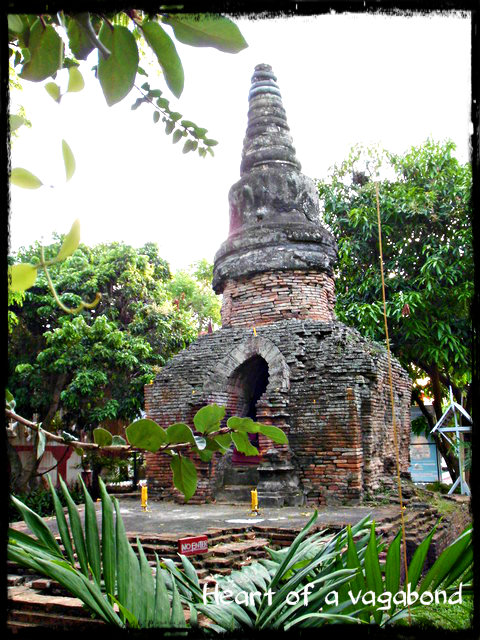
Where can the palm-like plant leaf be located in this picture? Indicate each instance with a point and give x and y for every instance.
(128, 581)
(108, 541)
(76, 529)
(347, 563)
(92, 538)
(62, 523)
(38, 527)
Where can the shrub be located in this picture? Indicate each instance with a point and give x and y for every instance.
(40, 500)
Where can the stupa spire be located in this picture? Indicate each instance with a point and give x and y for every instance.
(267, 139)
(275, 220)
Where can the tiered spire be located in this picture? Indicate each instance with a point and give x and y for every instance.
(274, 211)
(268, 136)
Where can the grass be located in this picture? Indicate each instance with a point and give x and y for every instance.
(451, 617)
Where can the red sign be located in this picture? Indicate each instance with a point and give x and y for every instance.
(192, 546)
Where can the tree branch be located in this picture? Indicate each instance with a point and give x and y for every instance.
(427, 415)
(92, 445)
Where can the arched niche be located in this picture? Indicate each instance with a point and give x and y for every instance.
(278, 369)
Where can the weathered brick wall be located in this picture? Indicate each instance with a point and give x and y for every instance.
(277, 295)
(327, 388)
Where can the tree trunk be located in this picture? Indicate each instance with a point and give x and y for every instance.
(22, 477)
(59, 385)
(95, 485)
(442, 445)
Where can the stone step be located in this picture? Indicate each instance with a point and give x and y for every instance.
(27, 599)
(40, 618)
(239, 547)
(169, 543)
(18, 628)
(235, 493)
(282, 538)
(238, 475)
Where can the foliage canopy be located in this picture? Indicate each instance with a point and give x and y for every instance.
(93, 366)
(425, 209)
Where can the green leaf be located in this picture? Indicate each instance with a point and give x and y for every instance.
(392, 565)
(128, 569)
(38, 527)
(146, 434)
(25, 55)
(242, 444)
(188, 146)
(274, 433)
(70, 242)
(53, 90)
(242, 425)
(72, 580)
(177, 135)
(42, 441)
(75, 80)
(69, 161)
(156, 116)
(61, 523)
(10, 400)
(117, 73)
(416, 564)
(46, 53)
(358, 583)
(147, 616)
(79, 42)
(127, 615)
(373, 575)
(167, 56)
(207, 31)
(25, 179)
(162, 603)
(189, 570)
(449, 559)
(108, 541)
(180, 432)
(118, 441)
(177, 619)
(15, 23)
(76, 528)
(210, 143)
(220, 443)
(16, 121)
(92, 538)
(208, 419)
(184, 475)
(102, 437)
(21, 276)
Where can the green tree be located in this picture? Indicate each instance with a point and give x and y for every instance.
(425, 210)
(191, 290)
(93, 366)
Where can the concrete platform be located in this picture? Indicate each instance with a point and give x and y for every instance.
(171, 517)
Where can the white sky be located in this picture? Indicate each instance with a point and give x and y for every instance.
(344, 79)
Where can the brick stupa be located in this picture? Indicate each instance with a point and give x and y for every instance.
(281, 357)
